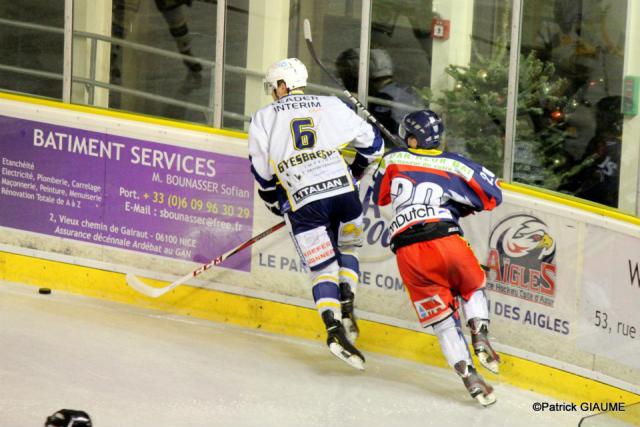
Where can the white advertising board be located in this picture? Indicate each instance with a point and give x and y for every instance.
(609, 323)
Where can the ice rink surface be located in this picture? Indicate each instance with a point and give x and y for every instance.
(128, 366)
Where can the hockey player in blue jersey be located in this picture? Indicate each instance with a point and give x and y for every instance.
(429, 191)
(294, 147)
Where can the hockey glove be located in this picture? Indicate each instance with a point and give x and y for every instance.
(270, 199)
(358, 166)
(461, 209)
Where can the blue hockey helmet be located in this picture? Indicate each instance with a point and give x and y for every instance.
(424, 125)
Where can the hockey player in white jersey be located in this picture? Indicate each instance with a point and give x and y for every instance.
(294, 148)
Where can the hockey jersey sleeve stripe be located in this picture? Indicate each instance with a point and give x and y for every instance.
(375, 149)
(488, 202)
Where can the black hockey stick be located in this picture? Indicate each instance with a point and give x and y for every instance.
(369, 116)
(153, 292)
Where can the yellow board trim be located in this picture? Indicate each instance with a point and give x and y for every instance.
(122, 115)
(295, 321)
(572, 202)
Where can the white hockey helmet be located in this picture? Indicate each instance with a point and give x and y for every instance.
(291, 70)
(380, 64)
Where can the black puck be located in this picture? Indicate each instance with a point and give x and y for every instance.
(44, 291)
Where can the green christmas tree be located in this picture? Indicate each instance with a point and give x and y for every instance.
(474, 112)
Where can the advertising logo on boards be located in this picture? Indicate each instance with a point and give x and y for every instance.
(521, 260)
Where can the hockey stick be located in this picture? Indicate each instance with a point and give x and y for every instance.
(368, 115)
(153, 292)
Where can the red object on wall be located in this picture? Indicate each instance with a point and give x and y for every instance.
(440, 28)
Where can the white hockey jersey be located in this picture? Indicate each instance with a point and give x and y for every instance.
(295, 141)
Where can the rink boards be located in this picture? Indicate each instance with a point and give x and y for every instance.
(88, 195)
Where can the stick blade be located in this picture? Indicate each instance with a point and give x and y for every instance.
(307, 29)
(141, 287)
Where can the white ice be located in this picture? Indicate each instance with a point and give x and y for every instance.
(128, 367)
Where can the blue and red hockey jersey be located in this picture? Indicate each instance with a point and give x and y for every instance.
(432, 185)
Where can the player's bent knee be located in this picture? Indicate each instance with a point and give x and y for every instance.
(327, 273)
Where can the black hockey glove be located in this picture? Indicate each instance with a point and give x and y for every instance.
(461, 209)
(68, 417)
(358, 166)
(270, 199)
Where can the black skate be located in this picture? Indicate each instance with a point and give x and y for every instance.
(348, 316)
(194, 67)
(475, 384)
(481, 345)
(338, 343)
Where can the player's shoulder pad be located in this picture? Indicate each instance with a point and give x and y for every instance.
(263, 110)
(463, 159)
(455, 156)
(341, 101)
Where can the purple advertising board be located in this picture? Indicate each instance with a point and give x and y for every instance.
(105, 189)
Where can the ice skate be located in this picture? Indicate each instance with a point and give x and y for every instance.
(194, 67)
(338, 343)
(481, 345)
(475, 384)
(348, 317)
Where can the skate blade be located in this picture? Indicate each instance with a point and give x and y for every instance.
(483, 358)
(351, 331)
(486, 400)
(350, 359)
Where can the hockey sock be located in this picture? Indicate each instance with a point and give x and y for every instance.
(326, 293)
(477, 307)
(349, 271)
(349, 268)
(452, 342)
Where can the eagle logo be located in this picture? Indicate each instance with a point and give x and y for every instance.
(521, 259)
(523, 236)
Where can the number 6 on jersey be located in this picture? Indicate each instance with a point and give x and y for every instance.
(304, 136)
